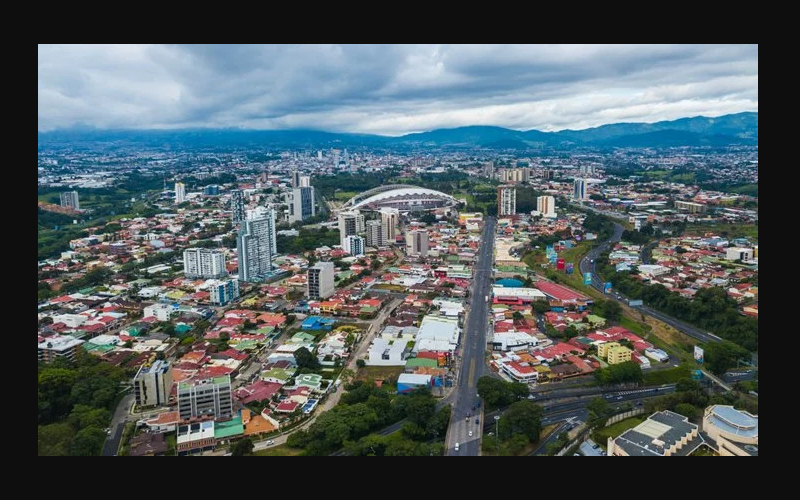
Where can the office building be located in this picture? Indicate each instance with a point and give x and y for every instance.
(305, 181)
(302, 203)
(237, 205)
(691, 207)
(417, 242)
(320, 281)
(295, 179)
(153, 383)
(58, 346)
(70, 199)
(319, 155)
(663, 434)
(256, 247)
(211, 190)
(180, 193)
(350, 223)
(587, 170)
(546, 206)
(548, 174)
(204, 263)
(579, 190)
(488, 169)
(354, 245)
(376, 236)
(506, 201)
(734, 432)
(209, 397)
(223, 292)
(389, 219)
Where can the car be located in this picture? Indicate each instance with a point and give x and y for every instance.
(477, 421)
(595, 446)
(470, 433)
(456, 448)
(639, 403)
(270, 442)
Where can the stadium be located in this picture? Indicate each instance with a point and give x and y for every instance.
(403, 197)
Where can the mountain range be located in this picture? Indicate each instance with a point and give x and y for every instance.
(739, 128)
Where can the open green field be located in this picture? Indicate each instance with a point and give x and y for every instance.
(601, 436)
(279, 451)
(379, 373)
(344, 195)
(634, 326)
(726, 230)
(670, 376)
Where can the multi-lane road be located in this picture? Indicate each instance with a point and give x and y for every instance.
(473, 347)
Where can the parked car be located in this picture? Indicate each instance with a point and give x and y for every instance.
(456, 448)
(270, 442)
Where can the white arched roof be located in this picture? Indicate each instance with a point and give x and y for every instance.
(405, 192)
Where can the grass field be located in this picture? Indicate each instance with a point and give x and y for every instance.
(639, 329)
(279, 451)
(669, 376)
(601, 436)
(727, 230)
(344, 195)
(379, 372)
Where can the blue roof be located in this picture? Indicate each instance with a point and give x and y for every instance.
(510, 283)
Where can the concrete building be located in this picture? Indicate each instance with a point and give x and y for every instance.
(663, 434)
(161, 312)
(382, 353)
(488, 169)
(602, 349)
(546, 206)
(618, 354)
(579, 191)
(506, 200)
(257, 247)
(206, 397)
(739, 253)
(587, 170)
(302, 206)
(153, 383)
(70, 199)
(515, 175)
(376, 236)
(691, 207)
(237, 205)
(734, 432)
(320, 283)
(350, 223)
(58, 346)
(354, 245)
(204, 263)
(211, 190)
(180, 193)
(295, 179)
(417, 242)
(223, 291)
(389, 219)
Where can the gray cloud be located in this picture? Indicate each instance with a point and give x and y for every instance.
(390, 89)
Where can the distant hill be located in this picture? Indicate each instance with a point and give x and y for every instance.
(740, 128)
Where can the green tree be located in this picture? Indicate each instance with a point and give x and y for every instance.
(686, 385)
(686, 409)
(541, 306)
(524, 417)
(55, 439)
(88, 442)
(721, 356)
(598, 407)
(305, 359)
(242, 447)
(361, 363)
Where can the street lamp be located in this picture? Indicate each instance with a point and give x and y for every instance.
(497, 431)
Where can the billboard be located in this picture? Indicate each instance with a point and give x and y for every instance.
(587, 278)
(560, 264)
(607, 287)
(570, 267)
(698, 354)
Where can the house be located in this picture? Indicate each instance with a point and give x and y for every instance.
(148, 445)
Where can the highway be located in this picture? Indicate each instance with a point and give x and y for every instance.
(473, 347)
(588, 264)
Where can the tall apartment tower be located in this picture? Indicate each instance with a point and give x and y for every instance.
(350, 223)
(295, 179)
(587, 170)
(152, 384)
(546, 205)
(506, 200)
(320, 281)
(579, 189)
(70, 199)
(389, 220)
(180, 193)
(354, 245)
(417, 242)
(205, 398)
(376, 235)
(204, 263)
(302, 203)
(488, 169)
(237, 205)
(257, 247)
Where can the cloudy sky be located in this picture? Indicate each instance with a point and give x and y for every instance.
(390, 90)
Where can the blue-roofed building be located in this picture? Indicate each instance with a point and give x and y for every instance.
(734, 432)
(318, 323)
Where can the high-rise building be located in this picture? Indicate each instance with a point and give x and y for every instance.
(587, 170)
(204, 263)
(350, 223)
(319, 155)
(376, 235)
(548, 174)
(205, 398)
(354, 245)
(257, 247)
(579, 189)
(295, 179)
(70, 199)
(223, 291)
(488, 169)
(546, 205)
(153, 383)
(417, 242)
(302, 203)
(180, 193)
(237, 205)
(305, 181)
(320, 281)
(506, 200)
(211, 190)
(515, 175)
(389, 220)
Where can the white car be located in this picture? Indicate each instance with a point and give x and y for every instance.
(456, 448)
(270, 442)
(470, 433)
